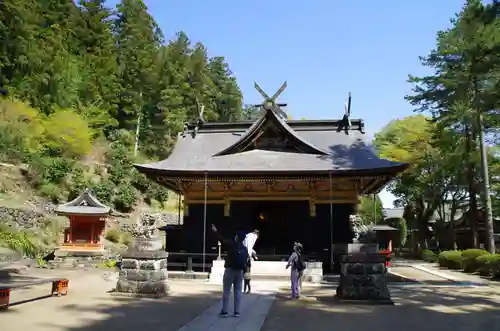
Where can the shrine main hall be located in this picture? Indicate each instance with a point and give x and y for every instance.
(293, 180)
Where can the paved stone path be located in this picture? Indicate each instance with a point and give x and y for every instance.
(254, 310)
(194, 306)
(416, 308)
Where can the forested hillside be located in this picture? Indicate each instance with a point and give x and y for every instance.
(80, 76)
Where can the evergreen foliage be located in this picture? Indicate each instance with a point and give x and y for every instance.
(81, 75)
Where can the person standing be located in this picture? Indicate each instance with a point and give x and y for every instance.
(247, 276)
(235, 263)
(297, 269)
(250, 241)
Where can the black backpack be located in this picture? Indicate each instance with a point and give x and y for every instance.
(238, 257)
(300, 264)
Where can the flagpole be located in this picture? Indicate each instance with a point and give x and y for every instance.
(331, 221)
(205, 222)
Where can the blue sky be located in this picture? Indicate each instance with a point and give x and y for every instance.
(323, 48)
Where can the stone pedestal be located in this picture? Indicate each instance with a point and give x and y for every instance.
(363, 278)
(143, 270)
(345, 249)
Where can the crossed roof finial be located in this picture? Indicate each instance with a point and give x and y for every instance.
(270, 102)
(345, 123)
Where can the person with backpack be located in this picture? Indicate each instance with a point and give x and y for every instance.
(297, 264)
(235, 264)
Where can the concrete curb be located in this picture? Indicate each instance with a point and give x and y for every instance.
(406, 278)
(437, 273)
(447, 276)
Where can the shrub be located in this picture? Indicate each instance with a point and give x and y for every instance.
(50, 191)
(21, 242)
(113, 235)
(67, 134)
(450, 259)
(43, 169)
(103, 191)
(125, 238)
(120, 163)
(156, 192)
(428, 255)
(496, 267)
(125, 198)
(107, 264)
(488, 265)
(21, 130)
(469, 257)
(140, 182)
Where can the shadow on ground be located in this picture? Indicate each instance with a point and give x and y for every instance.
(140, 314)
(88, 307)
(416, 308)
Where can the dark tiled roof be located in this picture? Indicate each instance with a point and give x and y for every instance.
(253, 131)
(331, 151)
(84, 204)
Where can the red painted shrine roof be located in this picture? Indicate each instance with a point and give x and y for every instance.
(86, 204)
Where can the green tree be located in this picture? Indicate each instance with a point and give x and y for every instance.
(371, 211)
(201, 85)
(67, 134)
(167, 119)
(98, 96)
(138, 40)
(464, 84)
(433, 172)
(227, 97)
(21, 130)
(19, 28)
(84, 75)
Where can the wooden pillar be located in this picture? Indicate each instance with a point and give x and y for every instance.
(92, 232)
(71, 223)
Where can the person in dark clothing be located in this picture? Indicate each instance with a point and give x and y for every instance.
(234, 266)
(247, 276)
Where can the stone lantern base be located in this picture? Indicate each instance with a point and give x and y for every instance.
(143, 271)
(363, 278)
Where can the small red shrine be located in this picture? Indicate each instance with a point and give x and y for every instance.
(87, 220)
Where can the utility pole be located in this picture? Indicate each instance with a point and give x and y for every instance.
(490, 238)
(137, 129)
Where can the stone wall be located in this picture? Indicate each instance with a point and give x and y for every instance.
(23, 218)
(161, 219)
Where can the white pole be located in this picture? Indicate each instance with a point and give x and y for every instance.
(205, 222)
(136, 145)
(331, 222)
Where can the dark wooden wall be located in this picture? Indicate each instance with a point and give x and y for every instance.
(297, 225)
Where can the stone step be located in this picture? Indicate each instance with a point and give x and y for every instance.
(187, 275)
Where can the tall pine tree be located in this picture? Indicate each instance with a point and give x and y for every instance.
(138, 40)
(98, 50)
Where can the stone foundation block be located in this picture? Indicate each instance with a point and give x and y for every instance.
(153, 264)
(363, 278)
(143, 275)
(148, 287)
(129, 264)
